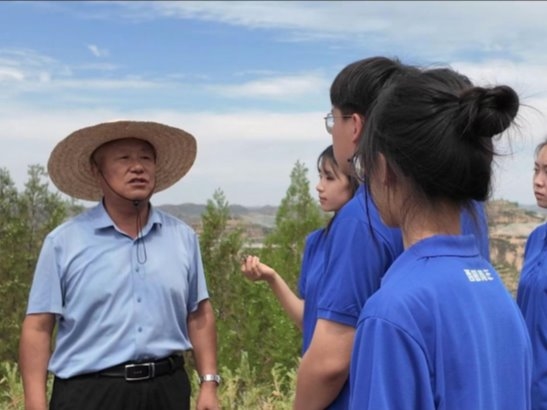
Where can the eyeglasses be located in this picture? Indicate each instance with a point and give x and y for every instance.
(329, 120)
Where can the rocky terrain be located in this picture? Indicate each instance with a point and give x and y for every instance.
(509, 226)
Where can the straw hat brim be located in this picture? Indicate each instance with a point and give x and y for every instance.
(69, 165)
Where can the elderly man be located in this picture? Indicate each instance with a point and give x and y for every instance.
(123, 282)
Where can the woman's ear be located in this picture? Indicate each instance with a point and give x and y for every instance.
(391, 176)
(390, 184)
(387, 176)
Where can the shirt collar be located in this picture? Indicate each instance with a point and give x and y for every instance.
(101, 220)
(446, 245)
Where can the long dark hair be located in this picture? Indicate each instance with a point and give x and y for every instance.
(439, 138)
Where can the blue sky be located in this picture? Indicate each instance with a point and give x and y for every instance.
(250, 80)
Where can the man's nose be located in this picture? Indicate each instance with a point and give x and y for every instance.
(137, 166)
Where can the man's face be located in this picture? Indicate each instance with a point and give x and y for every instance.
(126, 168)
(345, 133)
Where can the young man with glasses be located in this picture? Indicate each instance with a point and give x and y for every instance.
(359, 249)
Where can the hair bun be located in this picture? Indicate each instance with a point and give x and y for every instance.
(486, 112)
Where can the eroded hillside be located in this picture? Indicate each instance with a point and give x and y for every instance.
(509, 227)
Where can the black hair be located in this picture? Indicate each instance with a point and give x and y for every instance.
(438, 138)
(451, 78)
(356, 88)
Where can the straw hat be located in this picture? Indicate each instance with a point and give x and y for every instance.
(69, 164)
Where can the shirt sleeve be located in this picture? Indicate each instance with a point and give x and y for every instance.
(303, 276)
(304, 269)
(388, 369)
(197, 286)
(46, 290)
(357, 258)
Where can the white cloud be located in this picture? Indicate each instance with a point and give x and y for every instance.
(24, 123)
(94, 66)
(445, 29)
(96, 51)
(30, 69)
(37, 72)
(275, 87)
(106, 84)
(10, 74)
(249, 152)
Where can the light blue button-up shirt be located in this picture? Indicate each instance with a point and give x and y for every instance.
(111, 305)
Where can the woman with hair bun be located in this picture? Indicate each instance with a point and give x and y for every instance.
(442, 332)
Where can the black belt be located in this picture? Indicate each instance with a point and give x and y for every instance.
(143, 371)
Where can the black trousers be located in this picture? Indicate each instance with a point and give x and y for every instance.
(166, 392)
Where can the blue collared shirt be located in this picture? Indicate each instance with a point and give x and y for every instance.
(112, 304)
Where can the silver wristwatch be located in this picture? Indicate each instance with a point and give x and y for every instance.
(210, 378)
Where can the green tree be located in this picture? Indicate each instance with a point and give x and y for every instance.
(297, 216)
(25, 219)
(250, 319)
(220, 246)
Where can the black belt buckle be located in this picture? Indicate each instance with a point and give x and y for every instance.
(141, 371)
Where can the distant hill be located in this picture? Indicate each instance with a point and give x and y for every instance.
(261, 216)
(533, 208)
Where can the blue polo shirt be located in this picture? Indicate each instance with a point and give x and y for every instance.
(113, 304)
(308, 284)
(442, 332)
(532, 300)
(359, 249)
